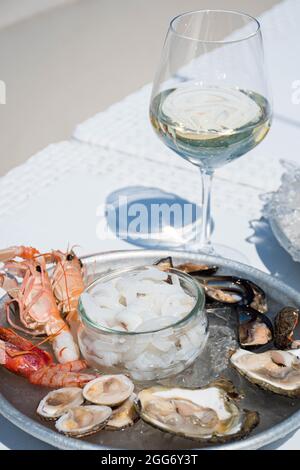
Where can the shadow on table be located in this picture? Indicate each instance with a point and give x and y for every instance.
(16, 439)
(152, 218)
(275, 258)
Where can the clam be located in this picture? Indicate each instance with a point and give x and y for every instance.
(111, 390)
(274, 370)
(57, 402)
(123, 416)
(285, 323)
(83, 420)
(209, 414)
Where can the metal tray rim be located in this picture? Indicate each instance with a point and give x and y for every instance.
(62, 442)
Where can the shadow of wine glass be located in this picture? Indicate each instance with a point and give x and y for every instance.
(152, 218)
(274, 257)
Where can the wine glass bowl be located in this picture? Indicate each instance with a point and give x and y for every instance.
(210, 101)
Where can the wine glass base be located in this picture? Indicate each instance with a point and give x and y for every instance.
(224, 251)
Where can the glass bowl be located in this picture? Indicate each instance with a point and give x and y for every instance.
(154, 354)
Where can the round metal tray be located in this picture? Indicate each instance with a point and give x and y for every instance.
(278, 415)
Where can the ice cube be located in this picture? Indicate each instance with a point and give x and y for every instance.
(129, 320)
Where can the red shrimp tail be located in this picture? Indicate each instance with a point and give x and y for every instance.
(21, 356)
(51, 378)
(72, 366)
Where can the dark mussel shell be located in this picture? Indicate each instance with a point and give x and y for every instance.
(164, 263)
(197, 269)
(259, 302)
(254, 328)
(285, 323)
(226, 290)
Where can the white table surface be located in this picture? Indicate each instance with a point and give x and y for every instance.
(57, 197)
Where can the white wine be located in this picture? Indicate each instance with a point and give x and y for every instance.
(210, 126)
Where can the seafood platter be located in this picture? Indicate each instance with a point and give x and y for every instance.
(147, 350)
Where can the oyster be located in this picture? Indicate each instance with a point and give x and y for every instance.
(285, 324)
(57, 402)
(83, 420)
(209, 414)
(111, 390)
(277, 371)
(123, 416)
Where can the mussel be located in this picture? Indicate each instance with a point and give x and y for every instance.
(226, 290)
(254, 328)
(285, 323)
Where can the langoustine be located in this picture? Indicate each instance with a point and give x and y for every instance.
(24, 358)
(38, 310)
(67, 282)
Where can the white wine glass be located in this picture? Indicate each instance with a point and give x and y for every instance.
(210, 101)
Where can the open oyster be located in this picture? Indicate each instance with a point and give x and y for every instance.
(123, 416)
(209, 414)
(57, 402)
(108, 390)
(83, 420)
(277, 371)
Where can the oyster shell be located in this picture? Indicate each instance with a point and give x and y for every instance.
(209, 414)
(83, 420)
(277, 371)
(123, 416)
(111, 390)
(57, 402)
(285, 323)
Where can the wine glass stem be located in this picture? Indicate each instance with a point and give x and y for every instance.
(205, 242)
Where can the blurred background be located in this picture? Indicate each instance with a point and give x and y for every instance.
(64, 60)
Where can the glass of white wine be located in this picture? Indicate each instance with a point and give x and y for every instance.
(210, 101)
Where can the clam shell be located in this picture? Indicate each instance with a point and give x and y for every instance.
(111, 390)
(57, 402)
(83, 420)
(123, 416)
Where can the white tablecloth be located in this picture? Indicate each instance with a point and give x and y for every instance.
(58, 196)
